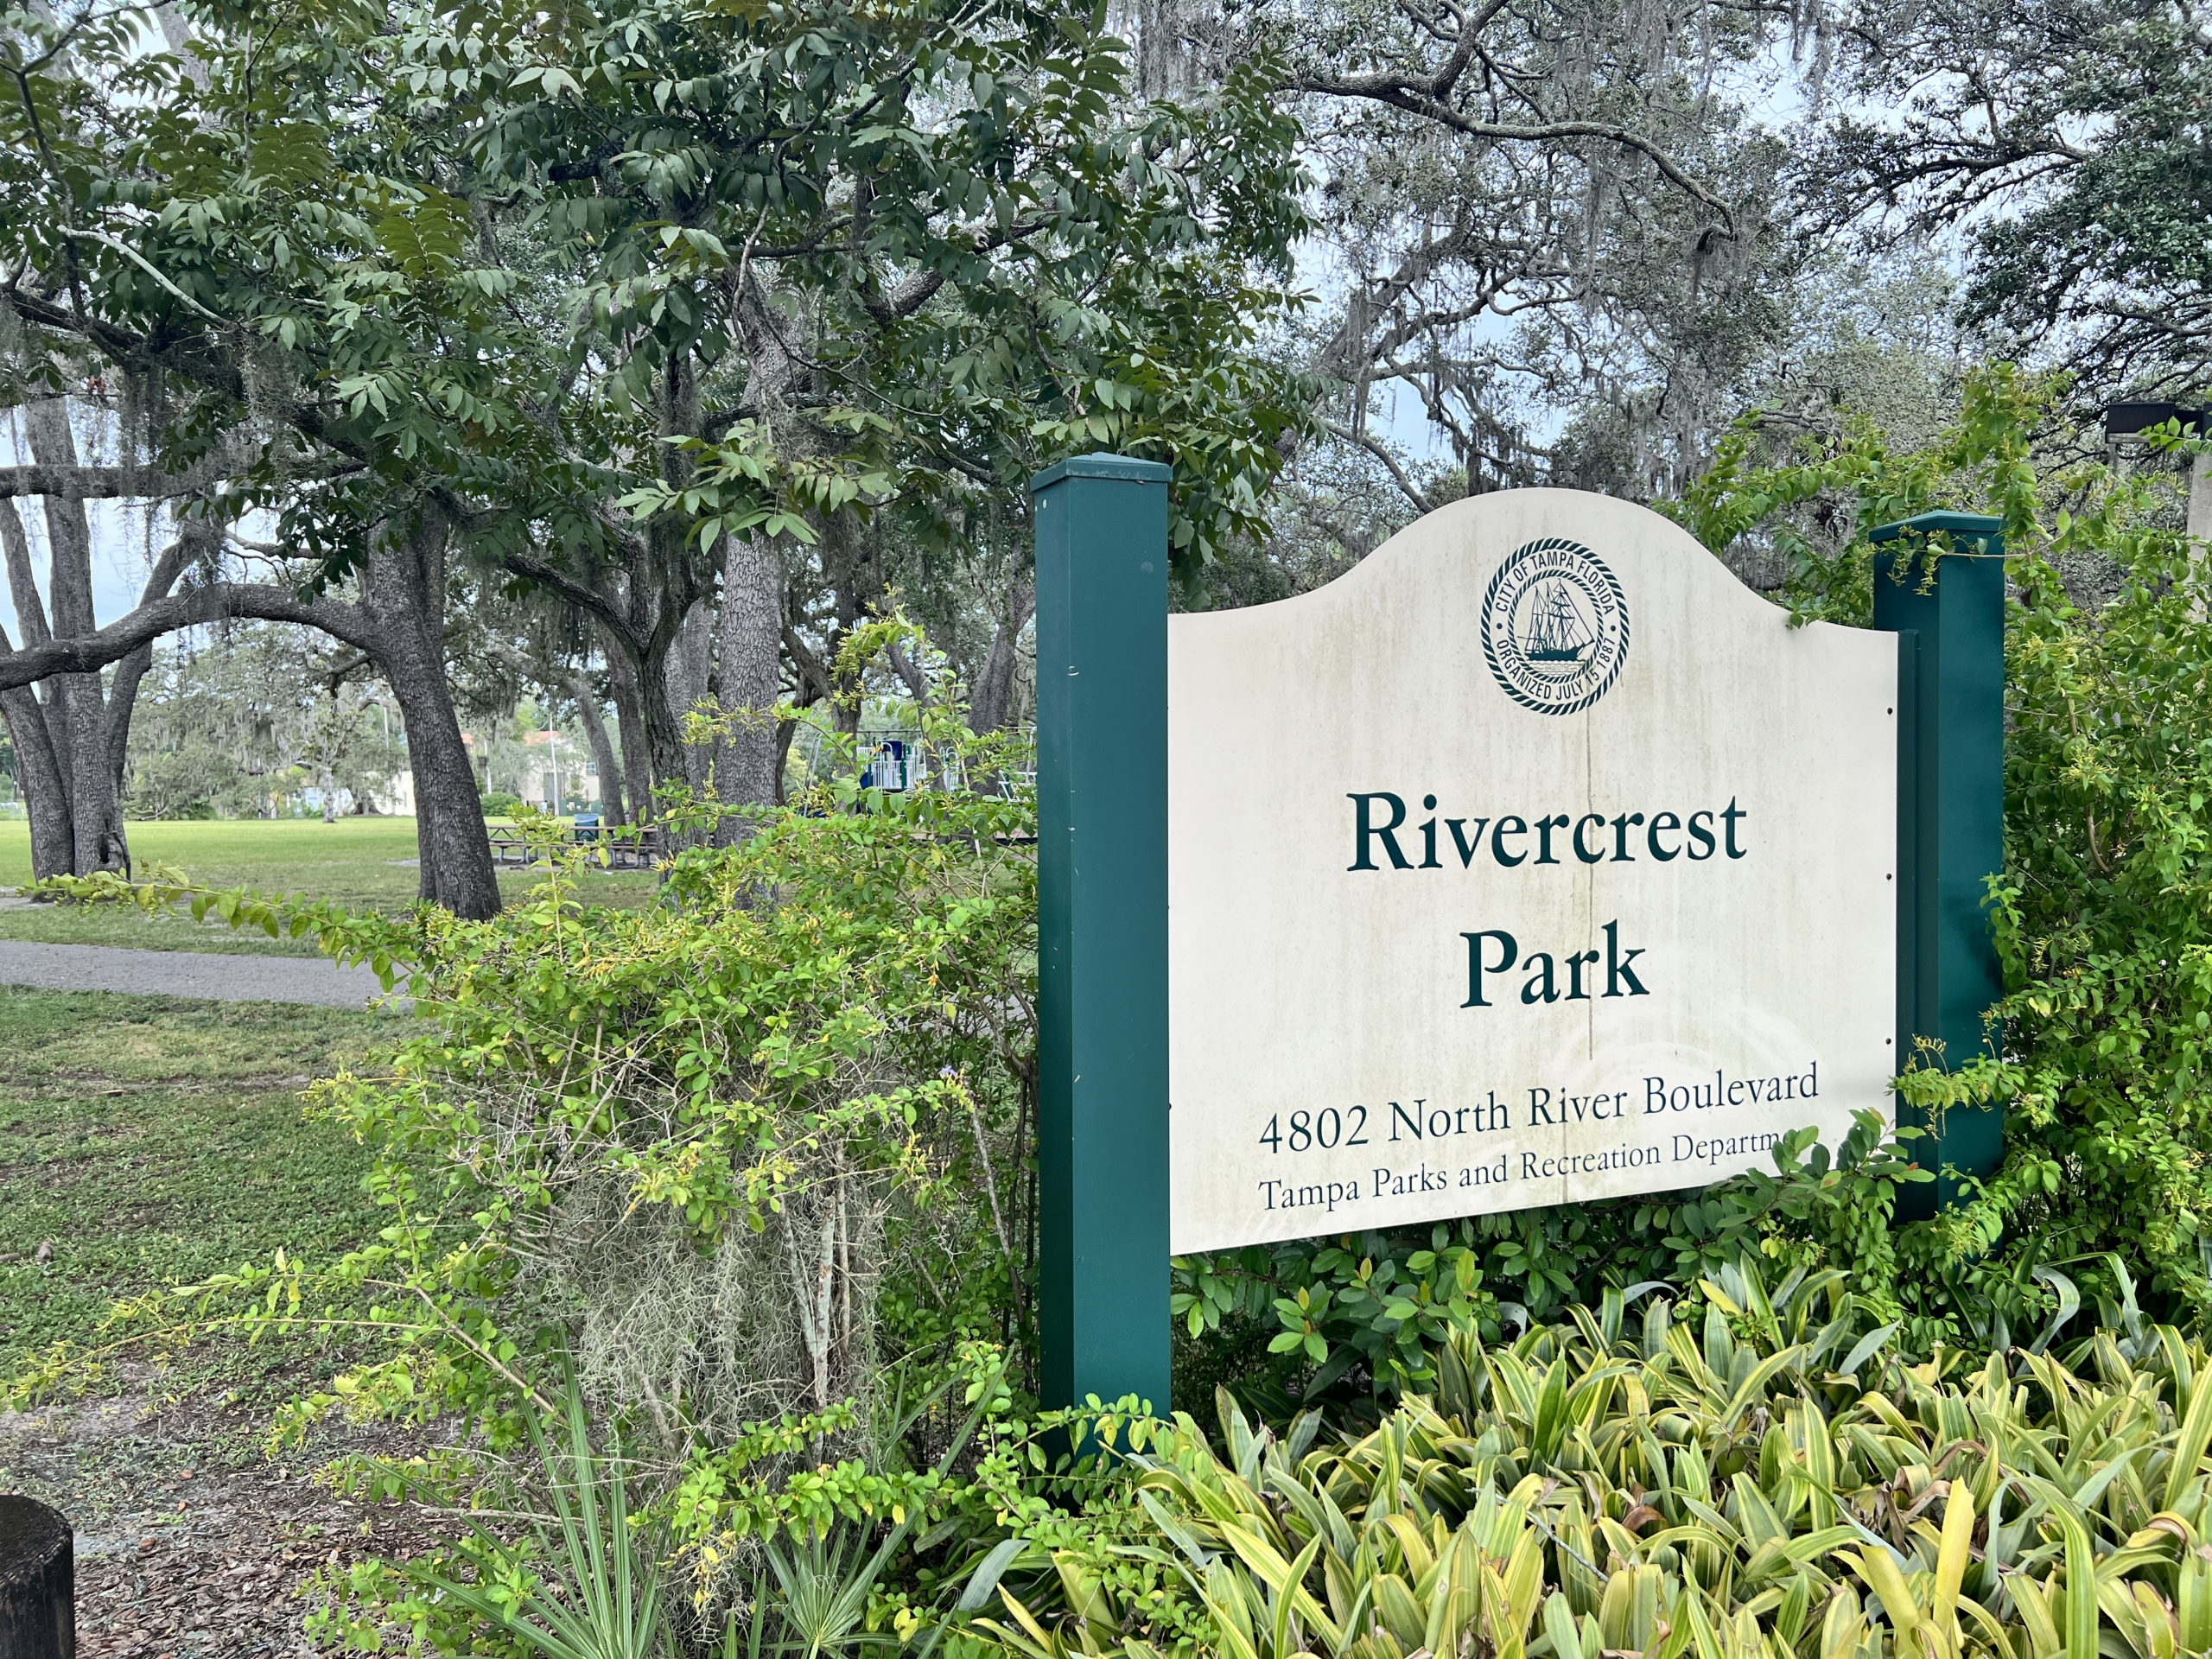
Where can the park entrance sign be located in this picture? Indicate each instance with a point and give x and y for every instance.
(1535, 860)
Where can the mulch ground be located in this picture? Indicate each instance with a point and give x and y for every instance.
(185, 1551)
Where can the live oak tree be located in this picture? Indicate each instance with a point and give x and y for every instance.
(631, 304)
(423, 297)
(1548, 227)
(70, 743)
(2066, 142)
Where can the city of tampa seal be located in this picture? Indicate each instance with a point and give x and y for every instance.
(1554, 627)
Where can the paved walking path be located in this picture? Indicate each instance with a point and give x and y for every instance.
(186, 973)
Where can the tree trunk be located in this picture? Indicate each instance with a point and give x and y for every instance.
(38, 763)
(990, 703)
(602, 749)
(674, 685)
(751, 662)
(657, 710)
(402, 592)
(691, 659)
(22, 580)
(38, 1581)
(122, 695)
(177, 35)
(45, 799)
(630, 727)
(46, 793)
(122, 704)
(95, 813)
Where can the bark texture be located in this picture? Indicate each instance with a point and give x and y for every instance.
(679, 648)
(38, 1581)
(97, 836)
(45, 796)
(402, 583)
(751, 662)
(990, 704)
(629, 726)
(691, 660)
(39, 736)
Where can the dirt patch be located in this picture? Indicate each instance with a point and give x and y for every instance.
(223, 1585)
(190, 1544)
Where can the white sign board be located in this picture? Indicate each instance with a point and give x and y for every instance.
(1535, 860)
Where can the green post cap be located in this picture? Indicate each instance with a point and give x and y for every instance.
(1955, 525)
(1103, 465)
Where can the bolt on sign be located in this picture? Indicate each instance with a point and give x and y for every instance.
(1533, 860)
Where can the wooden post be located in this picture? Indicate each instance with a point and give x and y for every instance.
(1948, 611)
(1102, 929)
(38, 1583)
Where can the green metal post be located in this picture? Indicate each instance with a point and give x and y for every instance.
(1950, 628)
(1101, 928)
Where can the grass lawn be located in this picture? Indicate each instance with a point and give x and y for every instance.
(146, 1141)
(366, 863)
(150, 1141)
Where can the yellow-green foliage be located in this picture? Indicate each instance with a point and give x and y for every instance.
(1733, 1491)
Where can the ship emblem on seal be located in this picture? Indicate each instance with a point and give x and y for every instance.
(1554, 627)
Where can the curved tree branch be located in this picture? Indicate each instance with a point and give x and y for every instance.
(1414, 96)
(215, 602)
(598, 606)
(1414, 493)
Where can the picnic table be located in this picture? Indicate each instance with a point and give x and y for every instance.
(637, 849)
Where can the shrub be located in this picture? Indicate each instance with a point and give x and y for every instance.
(734, 1153)
(2098, 1049)
(751, 1161)
(1753, 1483)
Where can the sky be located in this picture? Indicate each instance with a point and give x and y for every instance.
(119, 542)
